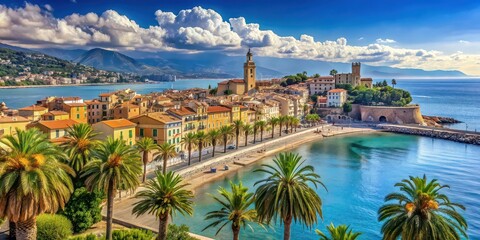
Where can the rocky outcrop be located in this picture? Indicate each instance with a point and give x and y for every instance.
(447, 134)
(436, 121)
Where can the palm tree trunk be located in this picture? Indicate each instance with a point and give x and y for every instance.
(110, 196)
(286, 228)
(26, 230)
(213, 149)
(254, 137)
(261, 135)
(163, 227)
(280, 130)
(189, 153)
(236, 141)
(200, 148)
(164, 170)
(273, 131)
(224, 144)
(12, 227)
(145, 162)
(246, 139)
(236, 232)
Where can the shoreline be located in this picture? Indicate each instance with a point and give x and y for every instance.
(201, 178)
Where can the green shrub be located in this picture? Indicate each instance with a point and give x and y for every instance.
(90, 236)
(132, 234)
(83, 209)
(53, 227)
(176, 232)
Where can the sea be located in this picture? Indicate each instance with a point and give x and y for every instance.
(457, 98)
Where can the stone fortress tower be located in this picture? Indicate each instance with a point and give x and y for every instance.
(249, 72)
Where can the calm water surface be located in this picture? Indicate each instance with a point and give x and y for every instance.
(358, 172)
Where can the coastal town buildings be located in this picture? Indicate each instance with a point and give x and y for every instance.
(336, 97)
(117, 129)
(55, 129)
(320, 85)
(161, 127)
(240, 86)
(33, 112)
(10, 124)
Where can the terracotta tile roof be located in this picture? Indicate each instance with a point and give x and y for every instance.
(8, 119)
(159, 116)
(58, 124)
(322, 99)
(237, 81)
(337, 90)
(183, 111)
(76, 104)
(106, 94)
(55, 113)
(215, 109)
(33, 108)
(118, 123)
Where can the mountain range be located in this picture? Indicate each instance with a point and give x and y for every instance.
(215, 64)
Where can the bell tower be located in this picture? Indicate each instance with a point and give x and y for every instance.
(249, 72)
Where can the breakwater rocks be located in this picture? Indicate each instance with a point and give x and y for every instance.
(447, 134)
(436, 121)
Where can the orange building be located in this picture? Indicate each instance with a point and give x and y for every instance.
(161, 127)
(55, 115)
(126, 110)
(55, 129)
(76, 111)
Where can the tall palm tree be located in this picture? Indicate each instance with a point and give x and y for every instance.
(163, 197)
(273, 122)
(116, 166)
(213, 136)
(165, 151)
(238, 126)
(394, 82)
(201, 139)
(247, 129)
(285, 192)
(420, 211)
(226, 131)
(235, 209)
(282, 120)
(190, 140)
(288, 123)
(79, 145)
(261, 125)
(256, 127)
(32, 180)
(145, 146)
(341, 232)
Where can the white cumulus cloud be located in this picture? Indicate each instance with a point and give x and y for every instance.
(385, 41)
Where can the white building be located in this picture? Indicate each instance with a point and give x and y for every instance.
(336, 97)
(317, 86)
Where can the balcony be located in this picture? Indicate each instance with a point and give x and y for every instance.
(201, 127)
(188, 128)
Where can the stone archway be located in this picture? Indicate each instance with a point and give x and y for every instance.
(382, 119)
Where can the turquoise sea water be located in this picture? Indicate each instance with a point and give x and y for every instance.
(359, 171)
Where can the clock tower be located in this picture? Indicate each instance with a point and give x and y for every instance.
(249, 72)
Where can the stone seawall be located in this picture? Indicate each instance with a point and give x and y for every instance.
(447, 134)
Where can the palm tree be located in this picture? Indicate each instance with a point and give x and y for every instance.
(238, 126)
(116, 166)
(256, 126)
(213, 136)
(145, 146)
(226, 131)
(342, 232)
(165, 151)
(420, 211)
(247, 129)
(285, 193)
(235, 209)
(261, 126)
(295, 123)
(394, 82)
(79, 145)
(273, 122)
(32, 180)
(162, 197)
(288, 123)
(190, 140)
(281, 121)
(201, 138)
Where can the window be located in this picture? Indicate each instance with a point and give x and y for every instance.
(57, 133)
(169, 133)
(155, 132)
(130, 134)
(141, 132)
(121, 135)
(78, 116)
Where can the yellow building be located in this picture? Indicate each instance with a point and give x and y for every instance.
(126, 110)
(55, 115)
(218, 116)
(8, 125)
(190, 122)
(76, 111)
(161, 127)
(33, 113)
(55, 129)
(117, 128)
(240, 86)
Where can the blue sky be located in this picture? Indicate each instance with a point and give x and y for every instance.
(446, 30)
